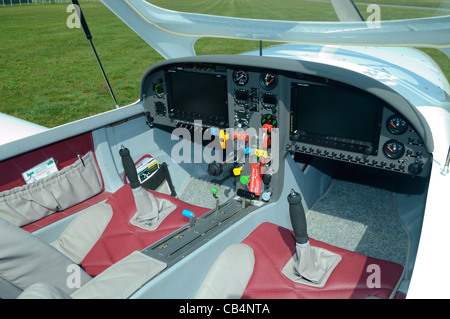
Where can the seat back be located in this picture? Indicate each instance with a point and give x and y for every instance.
(26, 260)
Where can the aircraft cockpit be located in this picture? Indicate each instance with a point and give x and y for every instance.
(234, 152)
(349, 142)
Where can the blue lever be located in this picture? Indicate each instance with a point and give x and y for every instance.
(191, 215)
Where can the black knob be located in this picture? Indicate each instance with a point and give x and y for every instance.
(266, 179)
(160, 108)
(246, 194)
(298, 217)
(416, 167)
(215, 169)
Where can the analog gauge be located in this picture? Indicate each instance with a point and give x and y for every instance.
(393, 149)
(159, 90)
(396, 125)
(269, 119)
(160, 108)
(268, 80)
(240, 77)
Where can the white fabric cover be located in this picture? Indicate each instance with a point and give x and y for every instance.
(122, 279)
(25, 260)
(119, 281)
(150, 211)
(71, 185)
(229, 275)
(83, 232)
(311, 265)
(42, 290)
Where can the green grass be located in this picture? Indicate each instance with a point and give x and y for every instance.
(49, 74)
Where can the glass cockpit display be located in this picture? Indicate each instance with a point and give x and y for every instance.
(337, 116)
(198, 96)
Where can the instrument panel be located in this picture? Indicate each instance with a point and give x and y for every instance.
(314, 114)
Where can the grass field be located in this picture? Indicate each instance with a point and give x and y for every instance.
(49, 74)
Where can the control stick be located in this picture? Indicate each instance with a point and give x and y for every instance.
(298, 217)
(147, 206)
(128, 166)
(311, 265)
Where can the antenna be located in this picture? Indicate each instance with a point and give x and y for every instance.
(260, 47)
(89, 37)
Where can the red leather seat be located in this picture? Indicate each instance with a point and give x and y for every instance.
(273, 246)
(120, 237)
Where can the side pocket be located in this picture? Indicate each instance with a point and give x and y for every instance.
(70, 186)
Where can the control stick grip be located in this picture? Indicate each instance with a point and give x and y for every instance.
(298, 217)
(128, 166)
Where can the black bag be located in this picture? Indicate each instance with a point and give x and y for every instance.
(159, 178)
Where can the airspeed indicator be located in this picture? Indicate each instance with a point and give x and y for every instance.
(240, 77)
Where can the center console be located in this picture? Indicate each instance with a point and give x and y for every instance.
(239, 106)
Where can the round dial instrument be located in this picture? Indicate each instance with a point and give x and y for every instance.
(159, 90)
(393, 149)
(160, 108)
(268, 80)
(396, 125)
(269, 119)
(240, 77)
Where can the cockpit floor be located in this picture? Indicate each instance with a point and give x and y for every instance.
(359, 218)
(198, 190)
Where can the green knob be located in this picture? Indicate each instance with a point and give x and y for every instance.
(244, 179)
(214, 191)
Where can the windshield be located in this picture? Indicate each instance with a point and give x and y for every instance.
(309, 10)
(305, 10)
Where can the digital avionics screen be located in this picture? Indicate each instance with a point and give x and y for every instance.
(335, 112)
(198, 93)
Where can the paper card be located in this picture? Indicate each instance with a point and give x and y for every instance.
(40, 171)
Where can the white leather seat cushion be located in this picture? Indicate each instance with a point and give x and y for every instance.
(229, 275)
